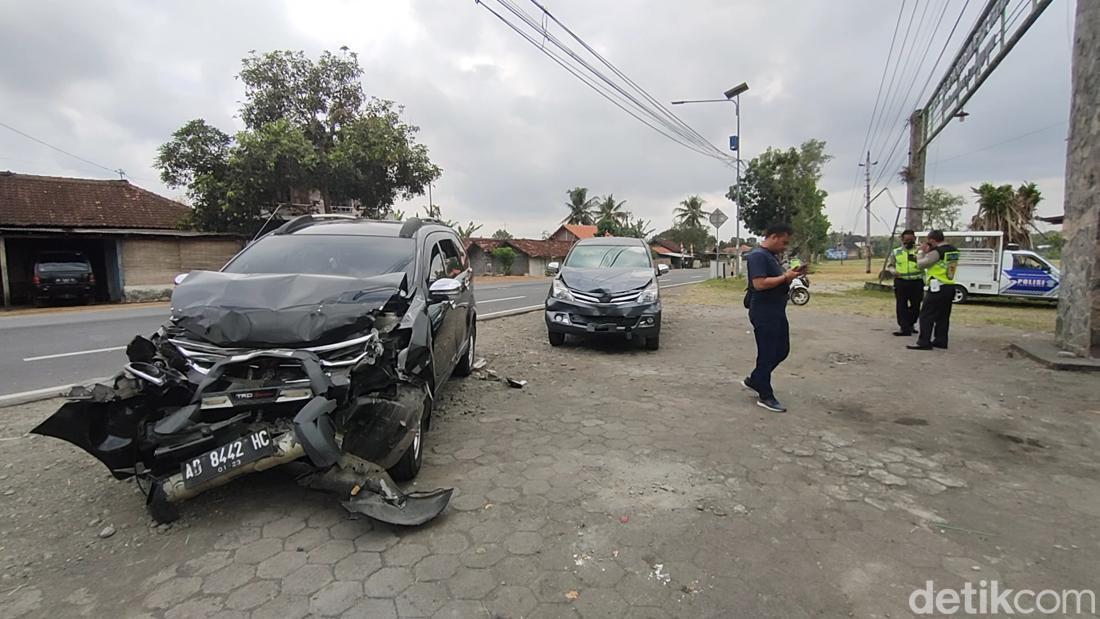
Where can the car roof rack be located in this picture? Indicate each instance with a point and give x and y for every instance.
(411, 225)
(305, 221)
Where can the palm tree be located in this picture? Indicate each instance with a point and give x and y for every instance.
(610, 211)
(580, 207)
(690, 213)
(638, 228)
(1007, 210)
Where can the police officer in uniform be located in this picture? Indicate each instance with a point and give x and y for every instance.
(908, 284)
(939, 261)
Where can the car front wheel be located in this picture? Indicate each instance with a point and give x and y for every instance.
(408, 466)
(556, 339)
(653, 342)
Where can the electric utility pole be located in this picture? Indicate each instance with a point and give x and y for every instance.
(867, 205)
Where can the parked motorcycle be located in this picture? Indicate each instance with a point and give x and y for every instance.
(799, 293)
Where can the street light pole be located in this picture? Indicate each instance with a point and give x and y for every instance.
(733, 95)
(737, 206)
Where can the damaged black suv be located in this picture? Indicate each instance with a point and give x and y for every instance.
(319, 347)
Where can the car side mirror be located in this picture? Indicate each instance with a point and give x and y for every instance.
(444, 289)
(553, 268)
(662, 269)
(179, 278)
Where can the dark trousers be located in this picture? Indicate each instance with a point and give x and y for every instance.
(935, 317)
(773, 344)
(907, 295)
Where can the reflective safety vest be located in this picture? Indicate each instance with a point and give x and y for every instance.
(906, 264)
(944, 268)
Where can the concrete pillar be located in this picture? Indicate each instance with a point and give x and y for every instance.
(4, 275)
(914, 185)
(1078, 327)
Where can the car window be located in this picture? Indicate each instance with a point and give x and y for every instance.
(453, 259)
(436, 266)
(608, 256)
(62, 261)
(1027, 262)
(346, 255)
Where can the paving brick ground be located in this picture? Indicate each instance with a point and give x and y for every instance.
(618, 483)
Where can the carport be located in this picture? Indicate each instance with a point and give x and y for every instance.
(133, 238)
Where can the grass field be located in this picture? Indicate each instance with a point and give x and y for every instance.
(838, 288)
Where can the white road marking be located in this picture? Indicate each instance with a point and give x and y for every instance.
(73, 354)
(496, 300)
(694, 281)
(46, 392)
(518, 310)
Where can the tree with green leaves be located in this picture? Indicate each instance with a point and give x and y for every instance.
(942, 209)
(580, 207)
(502, 235)
(782, 186)
(504, 256)
(308, 126)
(1006, 209)
(690, 213)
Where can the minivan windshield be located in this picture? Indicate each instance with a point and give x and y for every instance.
(608, 256)
(318, 254)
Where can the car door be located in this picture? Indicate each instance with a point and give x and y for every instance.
(454, 259)
(439, 313)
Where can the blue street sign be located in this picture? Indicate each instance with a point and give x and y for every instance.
(733, 142)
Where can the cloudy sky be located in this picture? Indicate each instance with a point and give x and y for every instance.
(110, 80)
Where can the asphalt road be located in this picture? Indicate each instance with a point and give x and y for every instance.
(40, 351)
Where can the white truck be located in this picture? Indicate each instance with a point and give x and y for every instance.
(987, 267)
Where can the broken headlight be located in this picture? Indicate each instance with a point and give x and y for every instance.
(559, 291)
(650, 294)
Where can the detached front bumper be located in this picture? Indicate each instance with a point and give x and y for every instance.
(578, 318)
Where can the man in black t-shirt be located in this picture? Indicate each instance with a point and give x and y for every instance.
(769, 284)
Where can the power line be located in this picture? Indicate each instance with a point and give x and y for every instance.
(660, 120)
(60, 150)
(878, 97)
(677, 126)
(660, 106)
(591, 83)
(1007, 141)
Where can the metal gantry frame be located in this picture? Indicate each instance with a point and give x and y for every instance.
(997, 30)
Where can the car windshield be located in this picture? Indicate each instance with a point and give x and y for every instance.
(608, 256)
(62, 262)
(349, 256)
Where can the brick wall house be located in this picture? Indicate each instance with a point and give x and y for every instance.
(131, 236)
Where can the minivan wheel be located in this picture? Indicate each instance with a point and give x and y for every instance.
(556, 338)
(408, 466)
(466, 364)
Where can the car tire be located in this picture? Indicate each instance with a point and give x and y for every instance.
(961, 295)
(653, 342)
(466, 364)
(160, 510)
(408, 466)
(556, 338)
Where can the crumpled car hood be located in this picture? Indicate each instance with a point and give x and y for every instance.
(268, 310)
(606, 281)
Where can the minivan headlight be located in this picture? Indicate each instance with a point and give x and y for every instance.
(559, 291)
(650, 294)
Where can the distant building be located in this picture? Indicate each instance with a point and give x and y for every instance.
(131, 236)
(572, 233)
(532, 255)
